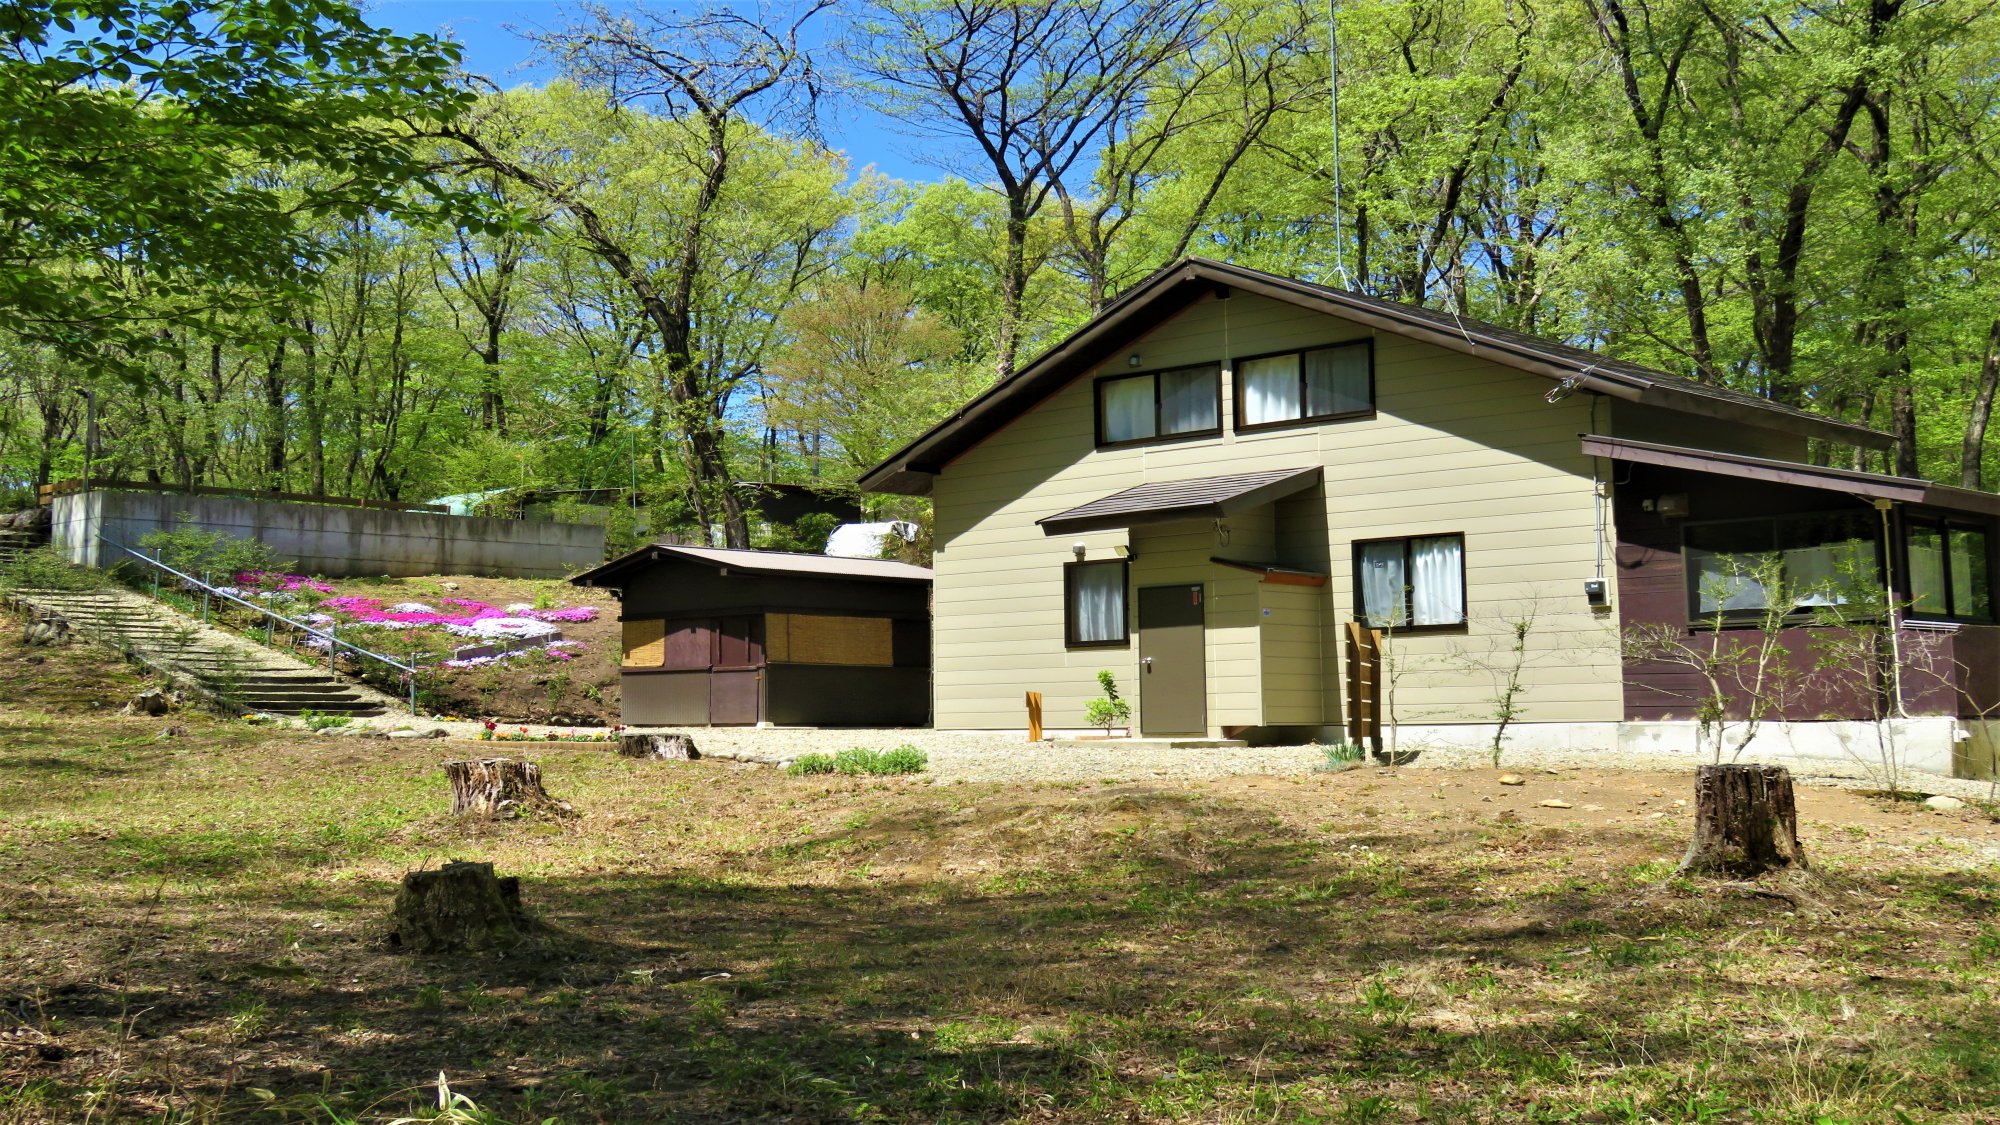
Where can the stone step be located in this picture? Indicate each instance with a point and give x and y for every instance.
(229, 666)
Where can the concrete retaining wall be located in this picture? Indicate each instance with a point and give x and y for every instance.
(332, 540)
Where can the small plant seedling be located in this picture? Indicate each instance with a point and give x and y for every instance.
(1109, 710)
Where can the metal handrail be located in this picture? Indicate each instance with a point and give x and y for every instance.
(333, 642)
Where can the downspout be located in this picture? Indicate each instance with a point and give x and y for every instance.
(1597, 492)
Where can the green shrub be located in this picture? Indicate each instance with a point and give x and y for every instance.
(1111, 710)
(904, 759)
(191, 550)
(808, 764)
(1342, 756)
(315, 720)
(861, 762)
(44, 568)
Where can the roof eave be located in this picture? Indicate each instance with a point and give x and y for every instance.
(911, 470)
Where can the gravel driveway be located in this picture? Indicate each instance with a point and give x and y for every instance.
(982, 756)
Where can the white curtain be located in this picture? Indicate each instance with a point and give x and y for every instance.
(1970, 595)
(1187, 400)
(1820, 575)
(1382, 584)
(1337, 380)
(1128, 408)
(1270, 389)
(1099, 591)
(1727, 582)
(1437, 580)
(1926, 570)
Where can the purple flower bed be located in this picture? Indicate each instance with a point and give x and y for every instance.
(462, 617)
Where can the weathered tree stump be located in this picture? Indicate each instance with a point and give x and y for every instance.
(671, 747)
(460, 907)
(493, 788)
(1745, 822)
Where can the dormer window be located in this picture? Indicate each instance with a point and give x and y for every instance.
(1160, 405)
(1313, 385)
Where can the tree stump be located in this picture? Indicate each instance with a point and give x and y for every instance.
(460, 907)
(1745, 822)
(671, 747)
(498, 787)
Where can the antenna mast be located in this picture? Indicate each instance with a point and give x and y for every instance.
(1333, 104)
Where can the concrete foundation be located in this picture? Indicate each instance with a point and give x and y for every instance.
(1932, 744)
(331, 540)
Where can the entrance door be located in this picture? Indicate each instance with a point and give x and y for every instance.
(1173, 674)
(736, 679)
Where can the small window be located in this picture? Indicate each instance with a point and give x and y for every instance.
(1415, 583)
(1817, 556)
(1949, 572)
(1305, 386)
(1094, 604)
(1183, 402)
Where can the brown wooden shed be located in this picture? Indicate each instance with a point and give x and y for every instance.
(716, 637)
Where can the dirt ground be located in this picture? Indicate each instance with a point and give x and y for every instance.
(193, 922)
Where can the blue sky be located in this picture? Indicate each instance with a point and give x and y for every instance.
(494, 51)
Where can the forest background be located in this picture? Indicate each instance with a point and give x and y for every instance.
(286, 249)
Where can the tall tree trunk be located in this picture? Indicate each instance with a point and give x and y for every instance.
(1972, 451)
(275, 422)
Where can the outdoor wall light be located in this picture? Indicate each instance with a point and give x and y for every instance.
(1132, 360)
(1077, 549)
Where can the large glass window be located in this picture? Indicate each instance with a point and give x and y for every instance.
(1949, 571)
(1094, 604)
(1416, 583)
(1320, 383)
(1183, 402)
(1735, 568)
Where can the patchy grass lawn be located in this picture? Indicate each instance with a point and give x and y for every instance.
(190, 930)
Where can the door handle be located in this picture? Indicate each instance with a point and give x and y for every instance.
(1146, 663)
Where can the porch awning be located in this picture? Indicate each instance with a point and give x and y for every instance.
(1201, 498)
(1867, 486)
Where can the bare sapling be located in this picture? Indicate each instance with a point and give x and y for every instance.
(1504, 661)
(1858, 646)
(1736, 652)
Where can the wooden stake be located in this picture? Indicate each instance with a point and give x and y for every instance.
(1034, 716)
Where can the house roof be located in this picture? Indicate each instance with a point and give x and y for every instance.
(1867, 486)
(756, 562)
(1173, 288)
(1201, 498)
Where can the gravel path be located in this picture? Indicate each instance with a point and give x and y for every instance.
(981, 756)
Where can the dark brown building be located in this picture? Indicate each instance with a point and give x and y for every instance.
(717, 637)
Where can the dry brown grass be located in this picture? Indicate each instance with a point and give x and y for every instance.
(190, 930)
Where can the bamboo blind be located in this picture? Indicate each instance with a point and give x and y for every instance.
(804, 638)
(645, 643)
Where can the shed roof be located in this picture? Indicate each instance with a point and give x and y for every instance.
(1173, 288)
(1201, 498)
(1867, 486)
(757, 562)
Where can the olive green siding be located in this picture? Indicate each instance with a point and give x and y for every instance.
(1458, 445)
(1296, 671)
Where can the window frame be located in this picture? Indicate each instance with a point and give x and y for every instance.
(1797, 615)
(1944, 523)
(1125, 603)
(1410, 590)
(1236, 385)
(1097, 405)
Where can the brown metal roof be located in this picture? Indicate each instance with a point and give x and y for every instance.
(757, 562)
(1175, 287)
(1202, 498)
(1868, 486)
